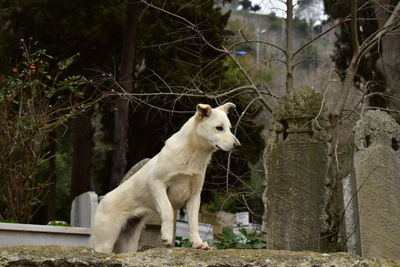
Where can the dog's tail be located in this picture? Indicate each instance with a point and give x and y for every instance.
(128, 239)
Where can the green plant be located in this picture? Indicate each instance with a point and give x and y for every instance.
(35, 99)
(182, 243)
(58, 223)
(7, 221)
(247, 240)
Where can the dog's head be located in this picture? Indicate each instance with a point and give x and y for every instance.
(214, 127)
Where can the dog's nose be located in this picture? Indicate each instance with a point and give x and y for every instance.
(236, 144)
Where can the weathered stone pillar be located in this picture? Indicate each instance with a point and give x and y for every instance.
(296, 163)
(377, 178)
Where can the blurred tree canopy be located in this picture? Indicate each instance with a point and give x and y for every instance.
(91, 28)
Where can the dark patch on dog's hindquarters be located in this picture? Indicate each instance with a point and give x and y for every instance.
(127, 230)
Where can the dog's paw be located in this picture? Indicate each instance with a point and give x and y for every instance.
(166, 241)
(201, 245)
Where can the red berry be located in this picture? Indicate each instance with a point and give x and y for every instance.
(22, 40)
(14, 70)
(32, 67)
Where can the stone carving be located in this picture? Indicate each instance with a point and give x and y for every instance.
(377, 179)
(295, 186)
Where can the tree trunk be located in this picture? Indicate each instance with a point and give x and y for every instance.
(121, 115)
(347, 84)
(51, 201)
(82, 142)
(289, 45)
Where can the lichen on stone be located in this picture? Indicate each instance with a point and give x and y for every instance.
(301, 101)
(83, 256)
(375, 127)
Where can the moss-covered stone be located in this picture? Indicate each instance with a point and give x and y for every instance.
(303, 101)
(75, 256)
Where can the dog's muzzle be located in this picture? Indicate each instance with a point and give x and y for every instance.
(237, 144)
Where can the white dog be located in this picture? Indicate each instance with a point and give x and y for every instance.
(171, 179)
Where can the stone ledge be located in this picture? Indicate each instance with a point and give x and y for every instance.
(83, 256)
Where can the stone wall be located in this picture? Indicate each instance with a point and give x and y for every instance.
(49, 256)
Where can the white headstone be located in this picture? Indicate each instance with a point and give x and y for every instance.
(83, 209)
(242, 218)
(205, 230)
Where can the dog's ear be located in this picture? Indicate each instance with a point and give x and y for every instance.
(203, 111)
(227, 106)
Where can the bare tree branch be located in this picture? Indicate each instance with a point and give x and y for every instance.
(393, 23)
(316, 37)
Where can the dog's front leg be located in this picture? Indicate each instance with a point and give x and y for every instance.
(159, 193)
(192, 208)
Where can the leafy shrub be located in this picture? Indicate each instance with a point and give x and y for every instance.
(182, 243)
(35, 99)
(58, 223)
(8, 221)
(248, 240)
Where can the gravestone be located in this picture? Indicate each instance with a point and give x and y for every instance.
(242, 218)
(295, 185)
(350, 207)
(134, 169)
(377, 178)
(83, 209)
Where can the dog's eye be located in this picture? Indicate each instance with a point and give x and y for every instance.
(219, 128)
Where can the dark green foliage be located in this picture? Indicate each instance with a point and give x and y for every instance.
(229, 240)
(63, 175)
(91, 28)
(220, 201)
(248, 6)
(182, 242)
(337, 8)
(175, 52)
(8, 221)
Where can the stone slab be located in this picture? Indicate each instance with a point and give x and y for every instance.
(13, 234)
(294, 194)
(68, 256)
(377, 179)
